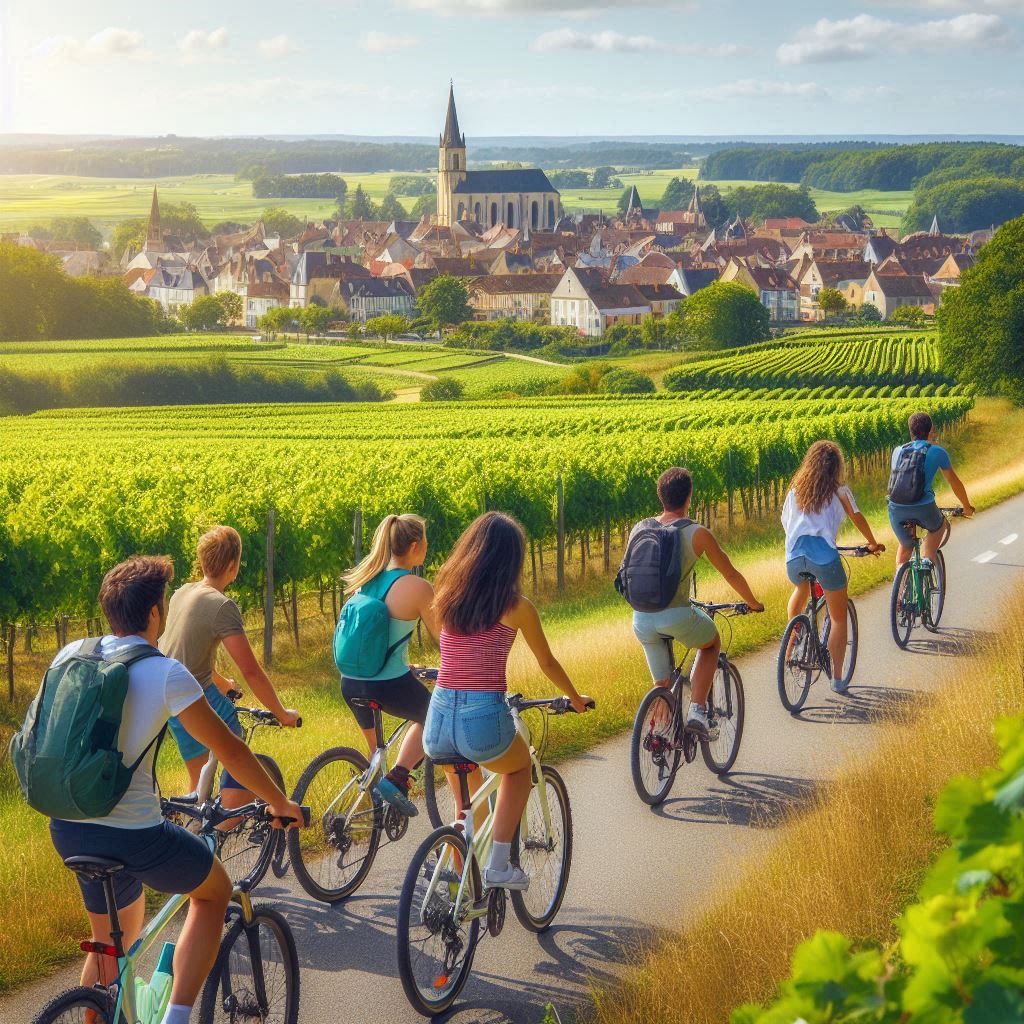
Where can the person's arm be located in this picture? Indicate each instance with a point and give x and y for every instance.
(425, 606)
(527, 620)
(203, 724)
(262, 688)
(858, 519)
(957, 487)
(704, 543)
(223, 683)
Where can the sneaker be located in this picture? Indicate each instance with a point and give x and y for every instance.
(697, 721)
(839, 686)
(392, 794)
(511, 878)
(927, 565)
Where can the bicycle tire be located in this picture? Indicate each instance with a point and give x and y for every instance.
(534, 922)
(852, 641)
(281, 862)
(247, 861)
(662, 746)
(323, 840)
(226, 991)
(932, 619)
(794, 669)
(61, 1009)
(439, 800)
(727, 707)
(902, 625)
(420, 867)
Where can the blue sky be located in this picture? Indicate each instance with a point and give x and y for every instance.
(521, 67)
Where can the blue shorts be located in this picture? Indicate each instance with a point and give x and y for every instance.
(927, 514)
(831, 575)
(475, 725)
(191, 748)
(165, 857)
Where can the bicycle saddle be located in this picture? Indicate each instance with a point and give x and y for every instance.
(911, 522)
(94, 867)
(363, 702)
(807, 576)
(460, 764)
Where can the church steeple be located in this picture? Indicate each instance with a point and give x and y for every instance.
(451, 136)
(451, 164)
(154, 233)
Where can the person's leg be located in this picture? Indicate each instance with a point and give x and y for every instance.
(656, 650)
(798, 599)
(194, 766)
(513, 795)
(932, 541)
(103, 969)
(703, 672)
(838, 604)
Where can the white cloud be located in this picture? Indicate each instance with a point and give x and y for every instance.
(386, 42)
(198, 43)
(519, 7)
(619, 42)
(278, 46)
(107, 44)
(1002, 6)
(866, 36)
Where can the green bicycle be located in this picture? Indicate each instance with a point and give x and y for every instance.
(918, 595)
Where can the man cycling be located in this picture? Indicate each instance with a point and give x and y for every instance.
(917, 503)
(155, 852)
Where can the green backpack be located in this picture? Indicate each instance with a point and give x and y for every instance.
(65, 755)
(361, 646)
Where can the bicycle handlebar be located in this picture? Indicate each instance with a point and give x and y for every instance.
(424, 674)
(554, 705)
(858, 551)
(955, 512)
(265, 717)
(736, 607)
(215, 815)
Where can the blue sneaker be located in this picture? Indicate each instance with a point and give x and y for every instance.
(838, 686)
(392, 794)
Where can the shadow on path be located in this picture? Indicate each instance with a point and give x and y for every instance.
(952, 642)
(747, 799)
(862, 705)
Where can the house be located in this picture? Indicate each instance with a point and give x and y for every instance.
(513, 296)
(889, 291)
(777, 291)
(949, 274)
(879, 247)
(814, 274)
(663, 298)
(317, 274)
(264, 287)
(699, 277)
(174, 288)
(365, 298)
(584, 300)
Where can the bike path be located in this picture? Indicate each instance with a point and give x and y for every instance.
(636, 871)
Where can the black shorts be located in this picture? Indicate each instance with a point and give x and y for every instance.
(404, 697)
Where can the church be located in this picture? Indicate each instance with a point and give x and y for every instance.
(518, 198)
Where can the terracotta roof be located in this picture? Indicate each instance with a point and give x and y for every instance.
(834, 271)
(769, 279)
(617, 296)
(642, 275)
(659, 292)
(511, 284)
(785, 224)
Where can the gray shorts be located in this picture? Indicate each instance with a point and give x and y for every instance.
(926, 514)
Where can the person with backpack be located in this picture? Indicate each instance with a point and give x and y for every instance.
(815, 507)
(371, 643)
(656, 579)
(200, 618)
(86, 757)
(912, 490)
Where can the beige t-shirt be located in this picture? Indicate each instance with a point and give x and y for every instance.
(198, 618)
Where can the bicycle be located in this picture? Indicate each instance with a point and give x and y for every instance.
(332, 859)
(255, 975)
(803, 653)
(917, 594)
(660, 740)
(443, 899)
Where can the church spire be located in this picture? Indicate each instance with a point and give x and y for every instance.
(154, 233)
(451, 136)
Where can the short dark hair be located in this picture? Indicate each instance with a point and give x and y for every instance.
(920, 424)
(675, 486)
(131, 589)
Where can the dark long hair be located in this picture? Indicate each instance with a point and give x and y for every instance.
(479, 582)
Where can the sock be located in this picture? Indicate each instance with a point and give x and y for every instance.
(177, 1014)
(399, 776)
(500, 853)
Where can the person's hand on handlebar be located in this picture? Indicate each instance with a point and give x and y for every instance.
(756, 606)
(290, 719)
(969, 511)
(875, 549)
(580, 704)
(286, 809)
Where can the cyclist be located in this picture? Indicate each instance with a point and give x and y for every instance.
(154, 852)
(399, 547)
(921, 508)
(480, 610)
(690, 626)
(815, 507)
(201, 617)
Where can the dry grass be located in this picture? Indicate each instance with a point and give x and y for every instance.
(849, 863)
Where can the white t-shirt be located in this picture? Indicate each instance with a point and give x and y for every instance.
(824, 524)
(158, 688)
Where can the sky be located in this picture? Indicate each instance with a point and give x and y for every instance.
(520, 67)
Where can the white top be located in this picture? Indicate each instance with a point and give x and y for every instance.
(158, 688)
(824, 524)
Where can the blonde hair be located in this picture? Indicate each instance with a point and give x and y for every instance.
(820, 476)
(218, 549)
(392, 538)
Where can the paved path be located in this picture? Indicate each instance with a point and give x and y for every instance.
(637, 871)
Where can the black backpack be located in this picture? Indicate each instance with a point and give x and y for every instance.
(907, 482)
(652, 565)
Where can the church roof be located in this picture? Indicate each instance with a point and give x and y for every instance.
(451, 136)
(524, 179)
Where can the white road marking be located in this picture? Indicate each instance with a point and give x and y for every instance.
(985, 556)
(1009, 539)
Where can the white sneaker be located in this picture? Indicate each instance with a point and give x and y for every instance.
(511, 878)
(697, 721)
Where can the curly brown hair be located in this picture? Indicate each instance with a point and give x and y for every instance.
(820, 475)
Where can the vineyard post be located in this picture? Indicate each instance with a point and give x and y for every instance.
(533, 562)
(607, 543)
(357, 535)
(560, 550)
(295, 612)
(9, 645)
(268, 596)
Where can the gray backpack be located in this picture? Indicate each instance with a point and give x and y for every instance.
(907, 482)
(651, 568)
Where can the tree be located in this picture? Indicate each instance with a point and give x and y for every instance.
(204, 314)
(315, 319)
(831, 301)
(444, 389)
(677, 195)
(716, 212)
(181, 219)
(280, 222)
(759, 202)
(233, 305)
(604, 177)
(79, 230)
(912, 316)
(725, 314)
(279, 318)
(623, 381)
(870, 313)
(965, 205)
(444, 302)
(391, 209)
(388, 325)
(355, 331)
(424, 206)
(359, 206)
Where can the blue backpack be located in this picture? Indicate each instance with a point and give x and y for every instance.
(361, 646)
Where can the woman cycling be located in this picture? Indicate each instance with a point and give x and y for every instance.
(691, 626)
(399, 547)
(480, 610)
(200, 617)
(816, 505)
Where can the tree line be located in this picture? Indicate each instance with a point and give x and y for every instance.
(300, 186)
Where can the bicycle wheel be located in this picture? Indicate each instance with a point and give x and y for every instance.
(437, 795)
(797, 664)
(281, 862)
(544, 856)
(256, 973)
(936, 593)
(247, 848)
(435, 951)
(903, 606)
(852, 640)
(77, 1006)
(332, 857)
(654, 752)
(726, 708)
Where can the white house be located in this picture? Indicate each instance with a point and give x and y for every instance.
(585, 301)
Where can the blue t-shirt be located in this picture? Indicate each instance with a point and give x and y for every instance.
(936, 459)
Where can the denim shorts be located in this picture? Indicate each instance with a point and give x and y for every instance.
(927, 514)
(165, 857)
(831, 575)
(475, 725)
(191, 748)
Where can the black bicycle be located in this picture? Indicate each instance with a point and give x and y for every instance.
(660, 739)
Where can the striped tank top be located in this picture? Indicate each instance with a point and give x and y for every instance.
(476, 662)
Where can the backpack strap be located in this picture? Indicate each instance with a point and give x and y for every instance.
(381, 592)
(136, 653)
